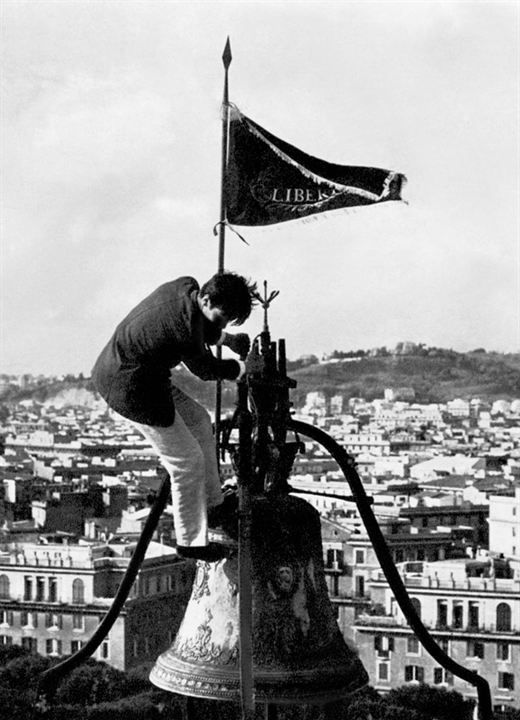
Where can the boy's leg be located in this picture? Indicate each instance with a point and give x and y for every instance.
(182, 457)
(198, 422)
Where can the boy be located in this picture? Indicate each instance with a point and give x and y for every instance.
(175, 324)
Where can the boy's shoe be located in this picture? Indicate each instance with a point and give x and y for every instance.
(225, 515)
(222, 537)
(209, 553)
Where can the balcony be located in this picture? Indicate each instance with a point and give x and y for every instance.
(471, 584)
(378, 621)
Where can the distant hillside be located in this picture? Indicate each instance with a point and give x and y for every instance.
(434, 376)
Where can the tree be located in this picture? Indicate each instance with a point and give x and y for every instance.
(146, 706)
(93, 682)
(23, 672)
(11, 652)
(437, 703)
(16, 705)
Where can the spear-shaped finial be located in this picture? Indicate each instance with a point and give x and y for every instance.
(226, 56)
(265, 301)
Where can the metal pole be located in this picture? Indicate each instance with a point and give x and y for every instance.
(226, 59)
(244, 557)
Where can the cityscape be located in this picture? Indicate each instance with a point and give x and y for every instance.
(444, 478)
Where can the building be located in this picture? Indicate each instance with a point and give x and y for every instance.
(54, 595)
(504, 525)
(350, 559)
(476, 620)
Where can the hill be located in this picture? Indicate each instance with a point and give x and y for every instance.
(434, 375)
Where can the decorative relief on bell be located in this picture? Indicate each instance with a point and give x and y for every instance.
(299, 653)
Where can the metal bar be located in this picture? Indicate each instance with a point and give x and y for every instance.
(50, 678)
(226, 59)
(485, 709)
(244, 558)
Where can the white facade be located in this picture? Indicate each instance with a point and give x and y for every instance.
(504, 524)
(451, 464)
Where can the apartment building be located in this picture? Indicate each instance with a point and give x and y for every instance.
(476, 620)
(53, 597)
(504, 525)
(350, 559)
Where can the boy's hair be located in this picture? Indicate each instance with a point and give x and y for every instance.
(232, 293)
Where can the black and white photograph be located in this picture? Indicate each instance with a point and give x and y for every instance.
(260, 359)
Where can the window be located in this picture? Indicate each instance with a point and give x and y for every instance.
(53, 620)
(412, 646)
(442, 613)
(506, 681)
(78, 622)
(29, 619)
(359, 557)
(27, 587)
(53, 646)
(475, 649)
(360, 586)
(473, 615)
(4, 587)
(417, 606)
(413, 673)
(458, 614)
(441, 676)
(334, 559)
(104, 650)
(503, 617)
(53, 589)
(30, 644)
(444, 644)
(6, 640)
(383, 645)
(76, 645)
(6, 618)
(135, 647)
(78, 591)
(40, 589)
(383, 671)
(503, 651)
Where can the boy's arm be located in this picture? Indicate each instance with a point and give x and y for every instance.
(238, 343)
(208, 367)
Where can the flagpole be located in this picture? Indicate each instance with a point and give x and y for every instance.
(247, 701)
(226, 59)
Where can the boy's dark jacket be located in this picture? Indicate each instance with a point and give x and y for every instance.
(132, 372)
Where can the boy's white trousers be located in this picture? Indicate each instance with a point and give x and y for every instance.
(187, 451)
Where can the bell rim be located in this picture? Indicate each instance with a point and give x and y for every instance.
(305, 686)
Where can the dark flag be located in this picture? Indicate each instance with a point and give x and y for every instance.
(269, 181)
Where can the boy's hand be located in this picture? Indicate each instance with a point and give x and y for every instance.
(239, 343)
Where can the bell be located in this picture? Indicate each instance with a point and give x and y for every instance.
(299, 654)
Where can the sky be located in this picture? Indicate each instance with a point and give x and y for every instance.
(111, 164)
